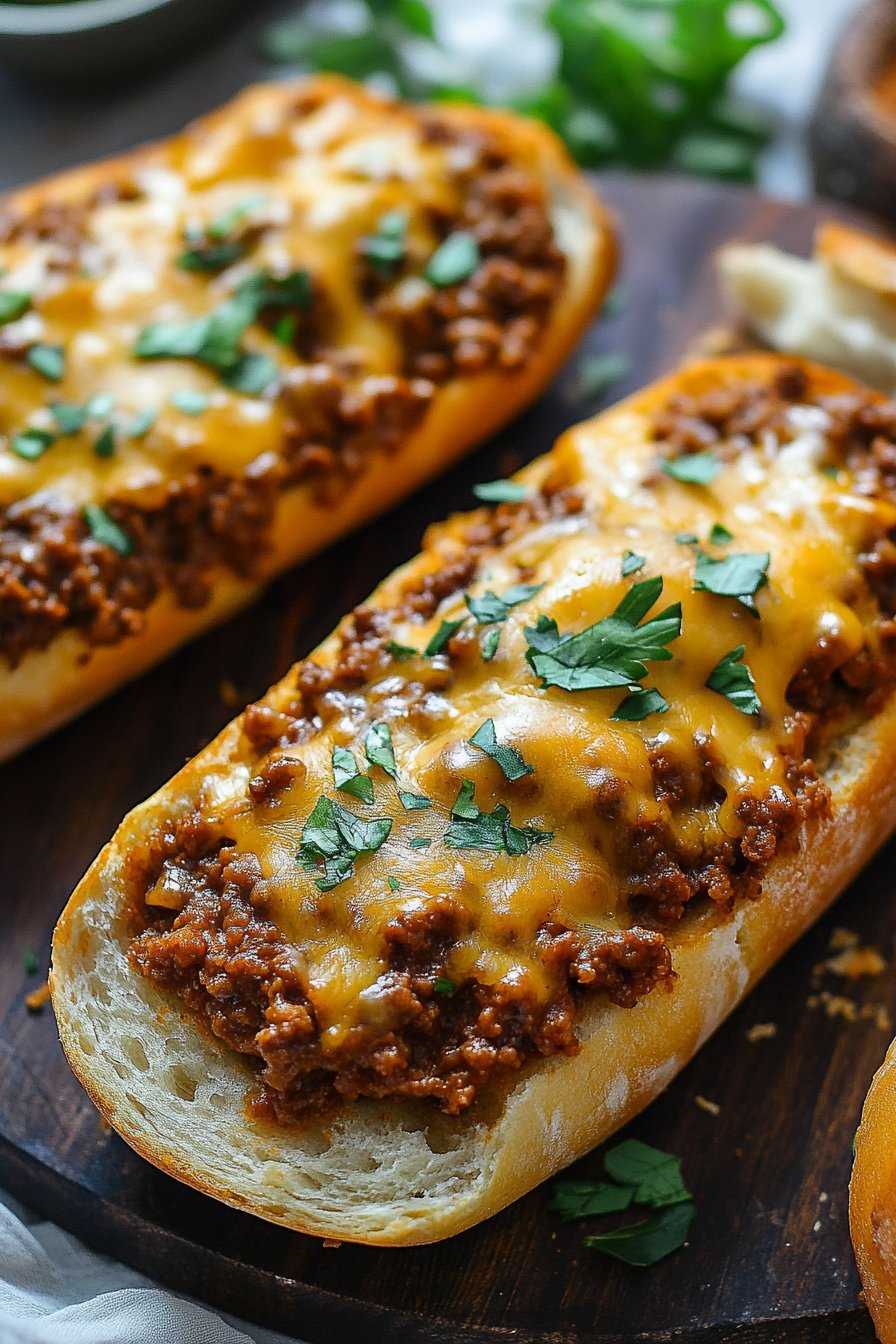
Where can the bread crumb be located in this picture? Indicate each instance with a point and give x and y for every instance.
(711, 1107)
(105, 1127)
(816, 1226)
(841, 939)
(762, 1031)
(854, 963)
(230, 696)
(330, 1243)
(823, 1197)
(36, 1000)
(838, 1005)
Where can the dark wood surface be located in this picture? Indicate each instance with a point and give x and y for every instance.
(769, 1257)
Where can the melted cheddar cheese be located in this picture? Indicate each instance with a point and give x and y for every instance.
(779, 497)
(310, 185)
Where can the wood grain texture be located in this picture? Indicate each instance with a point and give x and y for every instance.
(769, 1257)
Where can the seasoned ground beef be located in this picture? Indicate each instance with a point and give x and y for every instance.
(53, 576)
(235, 968)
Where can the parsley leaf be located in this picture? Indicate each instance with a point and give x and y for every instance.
(489, 646)
(472, 829)
(631, 563)
(100, 405)
(31, 443)
(454, 260)
(491, 609)
(47, 360)
(582, 1199)
(104, 444)
(508, 758)
(190, 400)
(348, 778)
(639, 704)
(687, 539)
(420, 842)
(29, 962)
(401, 651)
(442, 986)
(211, 256)
(645, 1243)
(596, 373)
(378, 747)
(501, 492)
(739, 575)
(105, 530)
(13, 305)
(333, 838)
(613, 652)
(387, 248)
(719, 535)
(446, 631)
(414, 802)
(693, 468)
(732, 678)
(394, 884)
(654, 1175)
(142, 423)
(69, 418)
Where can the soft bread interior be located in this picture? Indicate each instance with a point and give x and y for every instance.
(393, 1174)
(839, 307)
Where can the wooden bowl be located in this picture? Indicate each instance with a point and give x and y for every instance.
(852, 134)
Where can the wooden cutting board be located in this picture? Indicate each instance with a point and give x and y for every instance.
(769, 1256)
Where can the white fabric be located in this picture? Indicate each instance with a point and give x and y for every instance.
(52, 1289)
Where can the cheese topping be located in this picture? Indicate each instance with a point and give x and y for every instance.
(773, 498)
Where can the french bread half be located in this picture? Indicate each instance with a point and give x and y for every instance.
(222, 352)
(470, 886)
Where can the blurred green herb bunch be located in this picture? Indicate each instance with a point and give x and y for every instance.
(642, 83)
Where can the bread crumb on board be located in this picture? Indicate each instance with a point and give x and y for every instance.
(711, 1107)
(850, 959)
(762, 1031)
(37, 999)
(839, 1006)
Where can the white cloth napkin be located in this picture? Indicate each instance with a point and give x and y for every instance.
(53, 1290)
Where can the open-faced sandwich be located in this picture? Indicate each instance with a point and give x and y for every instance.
(465, 890)
(219, 353)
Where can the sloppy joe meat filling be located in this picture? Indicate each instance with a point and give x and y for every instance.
(485, 808)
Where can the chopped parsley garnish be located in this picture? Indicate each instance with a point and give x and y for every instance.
(646, 1243)
(216, 339)
(420, 842)
(693, 468)
(732, 678)
(211, 256)
(29, 962)
(105, 530)
(491, 609)
(508, 758)
(440, 640)
(719, 535)
(100, 404)
(334, 837)
(614, 651)
(69, 418)
(443, 986)
(190, 401)
(224, 225)
(378, 747)
(596, 373)
(454, 260)
(489, 646)
(285, 329)
(631, 563)
(212, 247)
(13, 305)
(831, 471)
(348, 778)
(472, 829)
(687, 539)
(387, 247)
(639, 704)
(740, 575)
(400, 651)
(501, 492)
(641, 1175)
(31, 443)
(142, 423)
(394, 884)
(47, 360)
(104, 444)
(414, 802)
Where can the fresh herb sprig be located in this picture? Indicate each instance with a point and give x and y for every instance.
(641, 1175)
(641, 84)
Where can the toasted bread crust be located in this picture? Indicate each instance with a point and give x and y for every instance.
(51, 685)
(404, 1191)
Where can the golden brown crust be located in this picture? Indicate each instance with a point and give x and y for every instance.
(559, 1107)
(54, 684)
(872, 1199)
